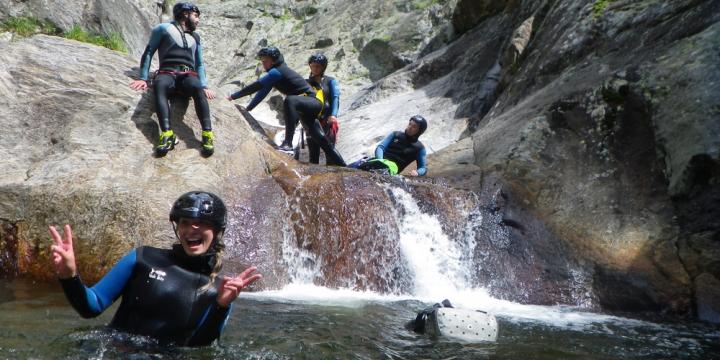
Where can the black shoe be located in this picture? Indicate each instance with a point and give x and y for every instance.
(166, 143)
(287, 148)
(208, 143)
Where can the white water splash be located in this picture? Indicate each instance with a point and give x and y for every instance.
(441, 269)
(557, 316)
(434, 259)
(303, 266)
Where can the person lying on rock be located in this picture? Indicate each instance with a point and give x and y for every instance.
(398, 150)
(331, 98)
(182, 71)
(173, 295)
(300, 102)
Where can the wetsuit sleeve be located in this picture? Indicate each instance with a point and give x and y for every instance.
(152, 46)
(334, 97)
(91, 302)
(380, 149)
(421, 165)
(211, 325)
(266, 82)
(250, 89)
(200, 65)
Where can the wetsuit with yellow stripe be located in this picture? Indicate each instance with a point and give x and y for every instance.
(300, 104)
(331, 96)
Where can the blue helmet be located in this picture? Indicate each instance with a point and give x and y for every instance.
(182, 7)
(418, 119)
(271, 52)
(200, 205)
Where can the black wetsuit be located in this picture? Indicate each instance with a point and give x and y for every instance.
(402, 149)
(181, 70)
(300, 104)
(162, 296)
(399, 148)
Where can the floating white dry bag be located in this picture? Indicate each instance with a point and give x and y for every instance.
(462, 324)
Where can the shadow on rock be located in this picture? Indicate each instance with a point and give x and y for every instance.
(143, 119)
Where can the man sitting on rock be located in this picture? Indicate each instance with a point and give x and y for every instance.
(181, 70)
(398, 150)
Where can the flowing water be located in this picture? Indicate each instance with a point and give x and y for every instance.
(305, 321)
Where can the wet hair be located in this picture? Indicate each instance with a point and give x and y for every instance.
(206, 206)
(218, 246)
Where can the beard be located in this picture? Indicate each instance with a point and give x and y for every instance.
(190, 25)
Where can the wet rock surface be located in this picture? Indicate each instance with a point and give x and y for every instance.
(587, 138)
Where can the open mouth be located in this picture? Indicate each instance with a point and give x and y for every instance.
(193, 242)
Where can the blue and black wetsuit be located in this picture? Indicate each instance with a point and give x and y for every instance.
(300, 104)
(181, 69)
(402, 149)
(331, 91)
(162, 296)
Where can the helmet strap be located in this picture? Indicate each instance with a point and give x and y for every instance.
(174, 225)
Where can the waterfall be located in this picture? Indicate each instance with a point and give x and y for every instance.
(441, 267)
(303, 266)
(438, 264)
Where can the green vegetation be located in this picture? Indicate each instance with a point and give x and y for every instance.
(286, 15)
(28, 26)
(299, 25)
(599, 7)
(111, 41)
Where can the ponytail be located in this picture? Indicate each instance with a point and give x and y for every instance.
(219, 248)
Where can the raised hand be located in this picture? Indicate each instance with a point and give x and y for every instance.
(230, 287)
(63, 255)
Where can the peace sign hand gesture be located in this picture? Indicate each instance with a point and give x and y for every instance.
(231, 286)
(62, 253)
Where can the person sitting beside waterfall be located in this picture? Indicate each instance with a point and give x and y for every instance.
(181, 70)
(398, 150)
(173, 295)
(300, 102)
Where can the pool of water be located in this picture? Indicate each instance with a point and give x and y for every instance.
(317, 323)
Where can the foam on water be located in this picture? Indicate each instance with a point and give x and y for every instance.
(441, 270)
(556, 316)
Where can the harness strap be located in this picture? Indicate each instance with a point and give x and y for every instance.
(175, 72)
(171, 72)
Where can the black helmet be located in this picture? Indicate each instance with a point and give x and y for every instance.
(200, 205)
(418, 119)
(318, 59)
(182, 7)
(271, 52)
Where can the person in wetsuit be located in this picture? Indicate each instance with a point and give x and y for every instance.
(181, 70)
(173, 295)
(300, 101)
(398, 150)
(331, 96)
